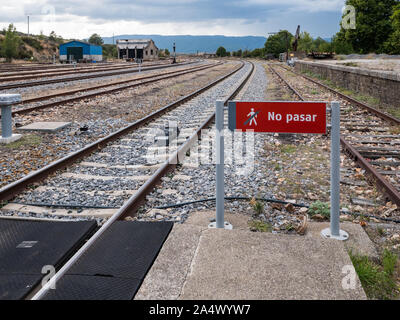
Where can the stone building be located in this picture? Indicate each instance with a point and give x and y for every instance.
(131, 49)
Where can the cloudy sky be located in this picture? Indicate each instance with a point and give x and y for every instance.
(81, 18)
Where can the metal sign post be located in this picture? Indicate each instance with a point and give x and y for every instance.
(293, 117)
(334, 231)
(220, 192)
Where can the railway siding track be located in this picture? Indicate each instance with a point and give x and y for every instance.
(54, 73)
(84, 77)
(367, 138)
(7, 75)
(114, 87)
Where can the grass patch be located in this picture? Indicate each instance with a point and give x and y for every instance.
(395, 129)
(389, 262)
(350, 64)
(257, 206)
(377, 280)
(27, 140)
(259, 226)
(287, 148)
(373, 101)
(321, 208)
(380, 231)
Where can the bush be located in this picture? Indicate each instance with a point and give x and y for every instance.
(11, 43)
(34, 43)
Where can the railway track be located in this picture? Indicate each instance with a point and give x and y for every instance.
(91, 76)
(113, 87)
(4, 67)
(121, 159)
(54, 73)
(369, 136)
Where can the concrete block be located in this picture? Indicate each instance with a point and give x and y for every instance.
(45, 126)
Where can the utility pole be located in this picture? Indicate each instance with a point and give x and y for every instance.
(28, 25)
(174, 61)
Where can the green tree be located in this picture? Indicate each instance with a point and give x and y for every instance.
(305, 42)
(110, 51)
(221, 52)
(325, 47)
(317, 44)
(341, 46)
(11, 43)
(258, 53)
(96, 39)
(42, 36)
(373, 25)
(392, 45)
(53, 36)
(167, 53)
(278, 43)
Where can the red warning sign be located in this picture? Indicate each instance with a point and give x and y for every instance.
(283, 117)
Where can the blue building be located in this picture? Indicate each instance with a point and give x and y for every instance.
(80, 51)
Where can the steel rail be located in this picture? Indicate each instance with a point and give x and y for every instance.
(5, 67)
(64, 93)
(155, 78)
(134, 201)
(285, 82)
(11, 73)
(50, 81)
(45, 74)
(11, 190)
(139, 197)
(377, 112)
(383, 184)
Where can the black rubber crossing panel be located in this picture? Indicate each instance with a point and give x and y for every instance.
(72, 287)
(27, 246)
(119, 260)
(16, 286)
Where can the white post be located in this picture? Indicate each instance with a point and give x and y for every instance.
(334, 231)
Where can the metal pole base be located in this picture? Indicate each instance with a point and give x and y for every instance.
(11, 139)
(326, 233)
(227, 225)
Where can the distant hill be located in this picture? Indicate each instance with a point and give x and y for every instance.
(192, 44)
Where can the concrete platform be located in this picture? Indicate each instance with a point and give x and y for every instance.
(45, 126)
(200, 263)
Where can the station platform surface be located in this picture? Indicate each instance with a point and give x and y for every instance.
(198, 263)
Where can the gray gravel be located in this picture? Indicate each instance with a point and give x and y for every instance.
(63, 85)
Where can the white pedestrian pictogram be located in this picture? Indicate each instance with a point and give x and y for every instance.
(252, 116)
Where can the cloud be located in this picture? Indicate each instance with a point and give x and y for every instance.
(154, 11)
(160, 16)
